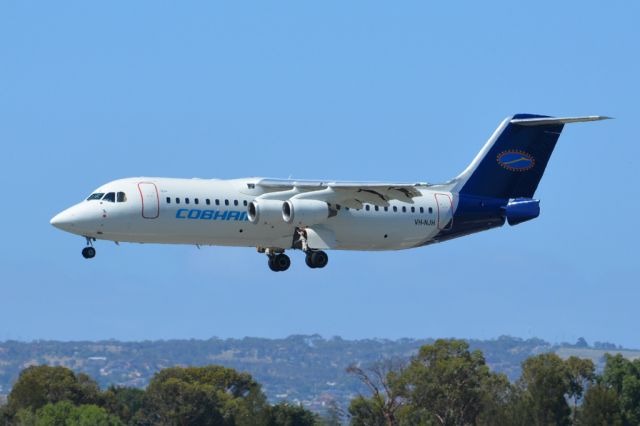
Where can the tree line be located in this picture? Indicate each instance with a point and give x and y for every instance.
(444, 384)
(210, 395)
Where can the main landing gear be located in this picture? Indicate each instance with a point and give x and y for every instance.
(316, 259)
(279, 262)
(313, 258)
(89, 252)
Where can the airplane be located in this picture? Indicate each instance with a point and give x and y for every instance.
(275, 215)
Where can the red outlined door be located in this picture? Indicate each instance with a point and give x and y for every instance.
(150, 200)
(445, 211)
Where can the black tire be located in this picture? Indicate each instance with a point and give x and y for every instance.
(282, 262)
(272, 264)
(308, 260)
(319, 259)
(88, 252)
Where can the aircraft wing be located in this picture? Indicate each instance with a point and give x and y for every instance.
(349, 194)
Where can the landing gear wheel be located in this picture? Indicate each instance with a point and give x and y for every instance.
(316, 259)
(88, 252)
(279, 262)
(283, 262)
(272, 264)
(319, 259)
(308, 261)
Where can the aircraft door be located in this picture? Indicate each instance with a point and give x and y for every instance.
(445, 211)
(150, 200)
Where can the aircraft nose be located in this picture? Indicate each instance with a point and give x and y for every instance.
(63, 220)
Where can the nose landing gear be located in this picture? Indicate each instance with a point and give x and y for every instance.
(89, 252)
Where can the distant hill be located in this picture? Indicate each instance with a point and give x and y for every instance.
(300, 368)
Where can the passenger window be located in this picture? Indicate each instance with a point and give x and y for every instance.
(235, 202)
(226, 202)
(217, 202)
(245, 203)
(413, 209)
(110, 197)
(96, 196)
(376, 208)
(430, 210)
(196, 201)
(367, 207)
(421, 209)
(122, 197)
(186, 201)
(404, 209)
(395, 208)
(386, 209)
(346, 208)
(168, 200)
(177, 200)
(208, 201)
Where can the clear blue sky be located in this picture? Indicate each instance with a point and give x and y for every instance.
(358, 90)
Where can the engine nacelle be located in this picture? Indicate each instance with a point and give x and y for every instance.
(522, 209)
(306, 212)
(265, 211)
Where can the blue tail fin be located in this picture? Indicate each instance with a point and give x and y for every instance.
(513, 161)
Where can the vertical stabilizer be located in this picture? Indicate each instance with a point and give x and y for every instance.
(512, 162)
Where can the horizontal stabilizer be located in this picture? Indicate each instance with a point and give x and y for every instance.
(542, 121)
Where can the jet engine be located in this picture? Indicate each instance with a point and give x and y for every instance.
(306, 212)
(265, 211)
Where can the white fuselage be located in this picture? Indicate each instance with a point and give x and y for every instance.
(275, 215)
(214, 212)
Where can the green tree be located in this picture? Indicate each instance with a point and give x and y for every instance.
(501, 403)
(92, 415)
(365, 412)
(211, 395)
(545, 381)
(64, 413)
(616, 369)
(582, 373)
(24, 417)
(41, 385)
(623, 376)
(445, 384)
(601, 407)
(382, 379)
(284, 414)
(125, 403)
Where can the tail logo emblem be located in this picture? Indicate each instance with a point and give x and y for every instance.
(516, 161)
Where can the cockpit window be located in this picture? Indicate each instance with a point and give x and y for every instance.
(110, 197)
(122, 197)
(95, 196)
